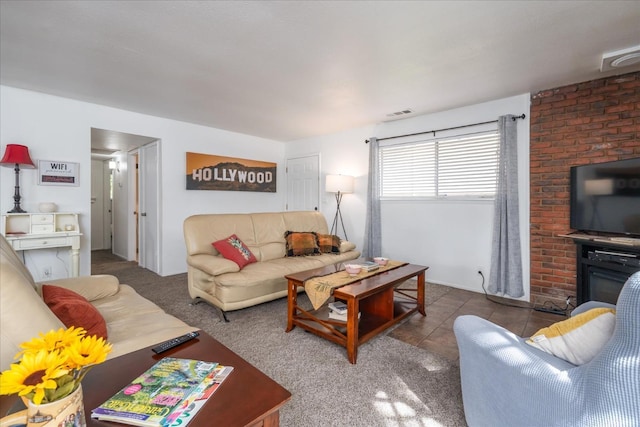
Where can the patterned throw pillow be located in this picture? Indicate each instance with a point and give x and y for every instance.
(233, 249)
(328, 243)
(301, 243)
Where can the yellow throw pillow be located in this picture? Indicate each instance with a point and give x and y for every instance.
(579, 338)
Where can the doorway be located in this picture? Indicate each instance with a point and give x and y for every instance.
(126, 192)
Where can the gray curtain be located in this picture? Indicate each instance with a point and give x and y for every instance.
(506, 255)
(373, 229)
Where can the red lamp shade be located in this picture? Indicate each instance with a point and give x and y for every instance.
(17, 154)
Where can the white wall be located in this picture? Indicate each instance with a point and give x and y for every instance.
(452, 238)
(342, 153)
(57, 128)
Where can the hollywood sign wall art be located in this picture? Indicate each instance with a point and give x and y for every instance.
(207, 172)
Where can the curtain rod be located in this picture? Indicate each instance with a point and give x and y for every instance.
(514, 118)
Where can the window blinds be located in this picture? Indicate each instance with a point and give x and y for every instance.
(462, 166)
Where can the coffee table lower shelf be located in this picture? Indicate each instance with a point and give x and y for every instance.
(379, 300)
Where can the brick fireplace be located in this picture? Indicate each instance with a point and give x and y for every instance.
(589, 122)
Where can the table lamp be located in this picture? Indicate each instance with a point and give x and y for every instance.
(339, 184)
(16, 154)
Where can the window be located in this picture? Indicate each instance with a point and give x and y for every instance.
(463, 166)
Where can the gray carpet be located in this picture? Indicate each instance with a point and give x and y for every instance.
(393, 383)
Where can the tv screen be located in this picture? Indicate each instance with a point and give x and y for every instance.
(605, 197)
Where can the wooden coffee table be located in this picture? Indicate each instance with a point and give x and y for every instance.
(378, 298)
(246, 398)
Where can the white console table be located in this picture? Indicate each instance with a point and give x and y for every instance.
(29, 231)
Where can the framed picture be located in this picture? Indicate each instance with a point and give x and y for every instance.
(211, 172)
(51, 172)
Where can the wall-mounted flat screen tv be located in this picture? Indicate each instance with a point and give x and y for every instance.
(605, 197)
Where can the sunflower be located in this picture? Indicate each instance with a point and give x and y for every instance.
(35, 373)
(89, 350)
(53, 364)
(53, 340)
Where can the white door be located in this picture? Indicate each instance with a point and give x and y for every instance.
(97, 205)
(100, 205)
(107, 223)
(303, 183)
(149, 174)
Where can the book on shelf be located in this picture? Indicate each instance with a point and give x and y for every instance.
(156, 393)
(338, 307)
(337, 316)
(190, 406)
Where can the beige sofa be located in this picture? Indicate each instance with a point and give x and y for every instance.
(133, 322)
(223, 284)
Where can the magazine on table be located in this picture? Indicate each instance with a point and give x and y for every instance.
(155, 394)
(192, 404)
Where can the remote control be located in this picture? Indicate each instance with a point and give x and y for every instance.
(174, 342)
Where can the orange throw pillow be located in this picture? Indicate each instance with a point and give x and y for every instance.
(328, 243)
(301, 243)
(74, 310)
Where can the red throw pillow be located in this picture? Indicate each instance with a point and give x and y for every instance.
(233, 249)
(74, 310)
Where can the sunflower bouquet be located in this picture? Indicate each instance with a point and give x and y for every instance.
(52, 365)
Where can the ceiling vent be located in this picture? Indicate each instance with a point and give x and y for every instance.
(620, 58)
(400, 113)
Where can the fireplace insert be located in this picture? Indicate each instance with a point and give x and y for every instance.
(604, 284)
(603, 267)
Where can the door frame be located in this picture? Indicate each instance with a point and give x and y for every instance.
(132, 206)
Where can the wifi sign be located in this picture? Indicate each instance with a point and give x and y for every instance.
(59, 166)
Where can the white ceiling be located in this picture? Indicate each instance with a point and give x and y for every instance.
(104, 142)
(287, 70)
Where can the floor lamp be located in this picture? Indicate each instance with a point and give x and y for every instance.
(339, 184)
(16, 154)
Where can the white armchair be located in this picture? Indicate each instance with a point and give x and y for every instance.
(506, 382)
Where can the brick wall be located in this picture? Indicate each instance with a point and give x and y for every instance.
(589, 122)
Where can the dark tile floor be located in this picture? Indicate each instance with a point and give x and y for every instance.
(435, 331)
